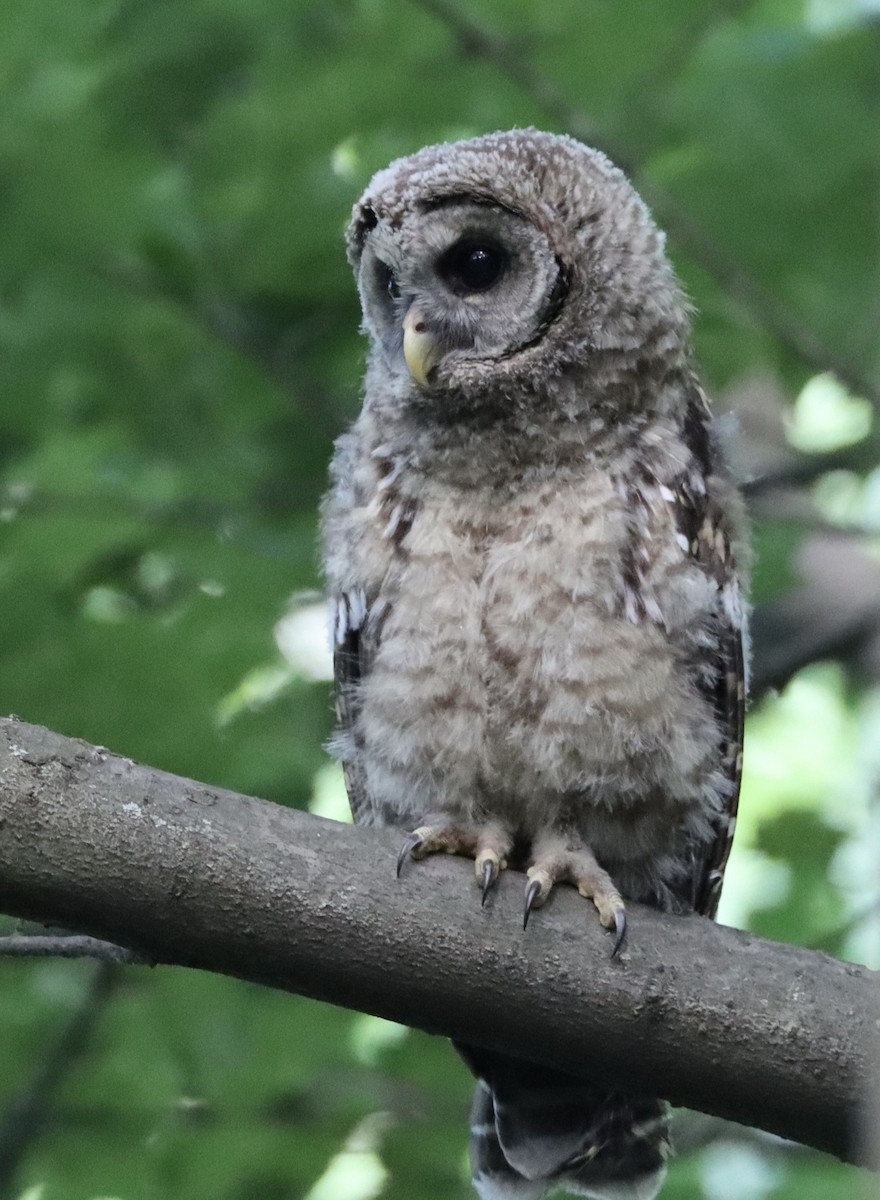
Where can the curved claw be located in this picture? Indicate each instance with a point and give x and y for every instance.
(619, 929)
(531, 893)
(488, 880)
(410, 842)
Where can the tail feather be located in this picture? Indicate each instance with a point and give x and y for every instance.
(535, 1130)
(494, 1177)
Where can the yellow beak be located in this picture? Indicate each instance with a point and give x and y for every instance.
(420, 348)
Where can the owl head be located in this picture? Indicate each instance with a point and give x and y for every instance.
(498, 263)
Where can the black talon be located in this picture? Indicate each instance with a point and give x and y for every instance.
(531, 892)
(619, 928)
(410, 842)
(487, 881)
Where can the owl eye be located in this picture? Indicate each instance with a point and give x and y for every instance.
(388, 281)
(473, 265)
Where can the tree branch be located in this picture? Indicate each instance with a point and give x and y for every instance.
(28, 1111)
(803, 469)
(66, 946)
(715, 1019)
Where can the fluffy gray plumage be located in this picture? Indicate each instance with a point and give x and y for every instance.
(532, 546)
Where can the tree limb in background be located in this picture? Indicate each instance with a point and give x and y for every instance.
(28, 1111)
(801, 470)
(763, 1034)
(693, 239)
(65, 945)
(834, 612)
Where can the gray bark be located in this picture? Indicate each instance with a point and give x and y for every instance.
(764, 1034)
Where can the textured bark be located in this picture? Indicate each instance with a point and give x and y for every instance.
(765, 1034)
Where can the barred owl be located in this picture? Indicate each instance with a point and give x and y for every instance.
(532, 545)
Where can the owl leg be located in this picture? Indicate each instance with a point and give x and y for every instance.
(561, 860)
(487, 844)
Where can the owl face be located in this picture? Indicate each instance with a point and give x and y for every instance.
(453, 284)
(497, 265)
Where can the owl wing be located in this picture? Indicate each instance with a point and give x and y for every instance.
(729, 702)
(355, 641)
(707, 526)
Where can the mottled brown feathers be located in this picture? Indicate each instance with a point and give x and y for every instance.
(534, 550)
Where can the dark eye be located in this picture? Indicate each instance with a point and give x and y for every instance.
(473, 265)
(388, 281)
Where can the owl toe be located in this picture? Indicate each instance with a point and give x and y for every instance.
(554, 862)
(488, 845)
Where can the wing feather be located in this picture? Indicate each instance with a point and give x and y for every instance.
(353, 651)
(708, 527)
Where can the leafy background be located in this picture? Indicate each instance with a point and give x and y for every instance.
(178, 348)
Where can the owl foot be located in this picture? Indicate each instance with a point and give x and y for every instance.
(555, 863)
(488, 845)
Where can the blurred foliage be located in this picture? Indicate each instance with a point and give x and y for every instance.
(179, 346)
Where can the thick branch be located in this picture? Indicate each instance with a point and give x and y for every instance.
(760, 1033)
